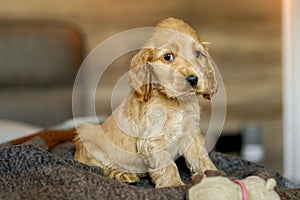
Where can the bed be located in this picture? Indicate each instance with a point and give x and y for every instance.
(33, 171)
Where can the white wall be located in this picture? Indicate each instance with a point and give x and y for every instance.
(291, 87)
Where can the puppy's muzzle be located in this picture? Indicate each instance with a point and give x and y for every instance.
(192, 80)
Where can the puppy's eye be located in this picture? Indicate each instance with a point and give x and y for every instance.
(197, 54)
(168, 57)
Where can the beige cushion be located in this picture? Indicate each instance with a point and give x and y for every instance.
(12, 130)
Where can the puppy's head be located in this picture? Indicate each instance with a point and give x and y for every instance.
(173, 61)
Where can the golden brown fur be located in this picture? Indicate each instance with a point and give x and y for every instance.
(159, 121)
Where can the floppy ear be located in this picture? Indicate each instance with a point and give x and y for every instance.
(211, 78)
(140, 74)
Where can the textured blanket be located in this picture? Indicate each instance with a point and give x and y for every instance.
(32, 171)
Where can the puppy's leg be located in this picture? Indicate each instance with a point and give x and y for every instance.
(196, 156)
(162, 169)
(83, 155)
(166, 177)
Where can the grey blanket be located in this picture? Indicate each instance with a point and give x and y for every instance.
(31, 171)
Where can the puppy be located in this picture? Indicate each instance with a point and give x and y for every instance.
(159, 120)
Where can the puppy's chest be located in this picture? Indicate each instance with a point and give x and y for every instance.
(174, 126)
(168, 124)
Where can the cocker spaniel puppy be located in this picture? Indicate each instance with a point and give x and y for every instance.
(159, 121)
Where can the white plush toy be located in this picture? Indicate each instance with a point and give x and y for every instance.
(221, 188)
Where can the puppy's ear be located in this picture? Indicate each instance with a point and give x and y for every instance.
(211, 78)
(140, 74)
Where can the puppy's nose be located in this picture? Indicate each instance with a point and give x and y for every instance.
(192, 80)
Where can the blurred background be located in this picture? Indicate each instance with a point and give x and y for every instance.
(246, 46)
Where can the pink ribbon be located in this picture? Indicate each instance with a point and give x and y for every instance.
(243, 187)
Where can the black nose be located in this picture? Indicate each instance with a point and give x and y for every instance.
(192, 80)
